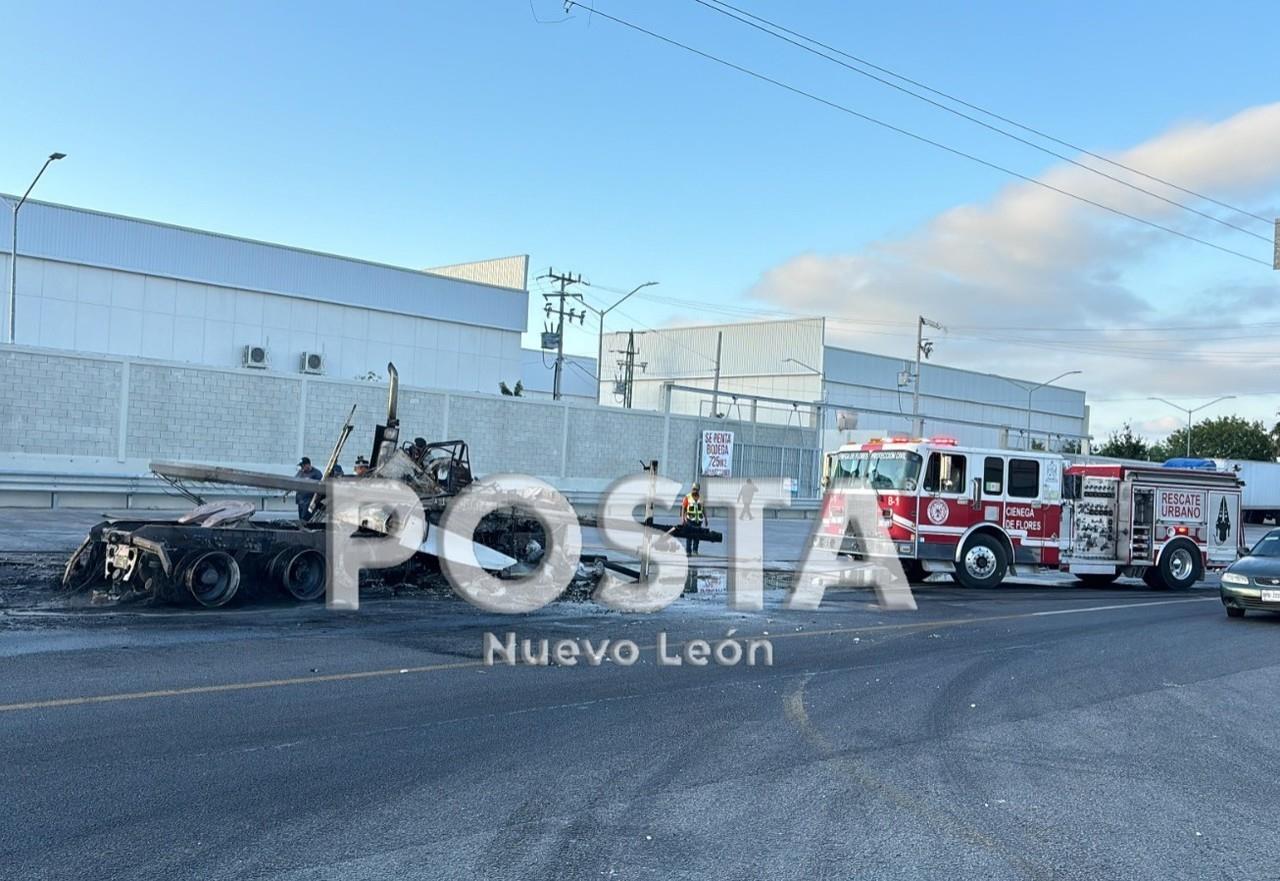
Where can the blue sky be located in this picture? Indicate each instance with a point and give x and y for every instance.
(422, 134)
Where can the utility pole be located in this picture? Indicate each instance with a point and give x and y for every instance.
(629, 365)
(564, 279)
(924, 348)
(715, 387)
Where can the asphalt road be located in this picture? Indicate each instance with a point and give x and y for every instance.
(1029, 732)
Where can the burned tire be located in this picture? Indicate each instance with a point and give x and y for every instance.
(212, 578)
(1097, 579)
(982, 563)
(301, 573)
(1180, 565)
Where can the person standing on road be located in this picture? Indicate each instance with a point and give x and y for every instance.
(745, 495)
(691, 514)
(306, 471)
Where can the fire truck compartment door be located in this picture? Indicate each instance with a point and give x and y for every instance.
(1223, 527)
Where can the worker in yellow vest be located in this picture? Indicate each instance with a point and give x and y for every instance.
(691, 513)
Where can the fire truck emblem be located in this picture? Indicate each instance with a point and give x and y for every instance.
(1223, 524)
(938, 512)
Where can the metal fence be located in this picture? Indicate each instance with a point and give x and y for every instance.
(803, 465)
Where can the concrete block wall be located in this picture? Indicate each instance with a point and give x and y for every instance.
(221, 416)
(607, 441)
(73, 422)
(507, 434)
(52, 403)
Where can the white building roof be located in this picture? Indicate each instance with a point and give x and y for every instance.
(110, 241)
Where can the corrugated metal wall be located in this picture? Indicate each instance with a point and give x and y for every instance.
(75, 235)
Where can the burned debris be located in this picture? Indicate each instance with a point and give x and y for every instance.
(223, 550)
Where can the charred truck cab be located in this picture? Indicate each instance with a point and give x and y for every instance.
(1166, 525)
(976, 513)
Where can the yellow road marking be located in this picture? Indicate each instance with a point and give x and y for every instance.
(461, 665)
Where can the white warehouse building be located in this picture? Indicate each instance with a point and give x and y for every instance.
(101, 283)
(792, 361)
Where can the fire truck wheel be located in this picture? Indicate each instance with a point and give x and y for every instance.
(1180, 565)
(982, 562)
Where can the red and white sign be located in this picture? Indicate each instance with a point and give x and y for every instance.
(717, 453)
(1179, 504)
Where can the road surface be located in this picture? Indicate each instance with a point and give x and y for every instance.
(1035, 731)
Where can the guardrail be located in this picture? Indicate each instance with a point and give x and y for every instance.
(50, 489)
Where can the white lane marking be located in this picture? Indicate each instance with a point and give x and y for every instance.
(1126, 606)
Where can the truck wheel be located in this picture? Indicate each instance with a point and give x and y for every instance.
(302, 574)
(982, 562)
(1180, 566)
(1151, 578)
(1097, 579)
(212, 578)
(1235, 612)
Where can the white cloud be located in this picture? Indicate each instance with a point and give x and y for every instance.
(1032, 258)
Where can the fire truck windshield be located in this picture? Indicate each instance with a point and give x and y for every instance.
(894, 470)
(850, 469)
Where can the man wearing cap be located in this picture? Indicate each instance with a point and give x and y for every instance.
(306, 471)
(691, 514)
(362, 466)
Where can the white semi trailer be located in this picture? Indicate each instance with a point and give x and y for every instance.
(1261, 487)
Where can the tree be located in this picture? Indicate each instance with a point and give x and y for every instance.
(1124, 444)
(1226, 437)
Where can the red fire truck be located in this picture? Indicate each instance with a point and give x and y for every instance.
(980, 513)
(1166, 525)
(977, 513)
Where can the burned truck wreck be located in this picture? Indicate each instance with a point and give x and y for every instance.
(223, 550)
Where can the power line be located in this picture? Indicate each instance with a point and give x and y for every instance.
(981, 110)
(1193, 332)
(902, 131)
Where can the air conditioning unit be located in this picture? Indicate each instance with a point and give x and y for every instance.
(312, 362)
(256, 357)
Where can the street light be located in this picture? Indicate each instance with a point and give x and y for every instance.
(601, 313)
(1190, 411)
(13, 250)
(1032, 389)
(802, 364)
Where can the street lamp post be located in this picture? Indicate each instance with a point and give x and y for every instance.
(1190, 411)
(601, 313)
(1032, 389)
(13, 250)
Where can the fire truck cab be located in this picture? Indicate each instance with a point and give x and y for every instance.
(1166, 525)
(976, 513)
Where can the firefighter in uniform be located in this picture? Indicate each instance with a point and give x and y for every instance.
(691, 514)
